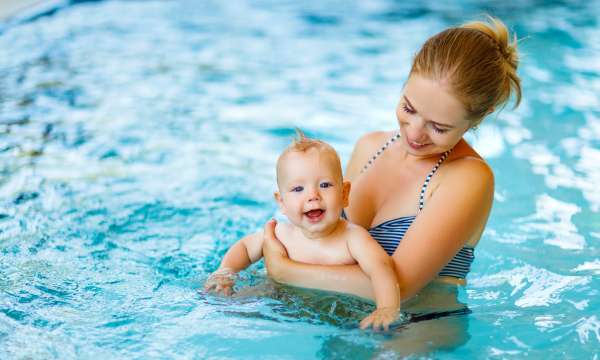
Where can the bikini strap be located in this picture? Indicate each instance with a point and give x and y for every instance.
(385, 146)
(428, 178)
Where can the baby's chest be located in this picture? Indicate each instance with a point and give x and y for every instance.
(312, 252)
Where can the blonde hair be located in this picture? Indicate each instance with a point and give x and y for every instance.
(478, 63)
(301, 143)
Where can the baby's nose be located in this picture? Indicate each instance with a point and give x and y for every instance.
(313, 195)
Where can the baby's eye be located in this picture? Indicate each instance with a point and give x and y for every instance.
(297, 189)
(325, 185)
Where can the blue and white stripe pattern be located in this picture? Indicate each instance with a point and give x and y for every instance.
(389, 233)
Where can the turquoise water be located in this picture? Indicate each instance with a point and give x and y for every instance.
(138, 142)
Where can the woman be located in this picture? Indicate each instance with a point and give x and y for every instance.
(422, 191)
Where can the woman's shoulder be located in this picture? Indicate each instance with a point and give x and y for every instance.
(373, 140)
(365, 147)
(467, 166)
(465, 156)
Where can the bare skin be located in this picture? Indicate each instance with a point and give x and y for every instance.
(457, 202)
(312, 196)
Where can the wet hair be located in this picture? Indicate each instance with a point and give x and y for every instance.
(301, 143)
(478, 63)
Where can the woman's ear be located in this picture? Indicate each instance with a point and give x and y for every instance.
(345, 193)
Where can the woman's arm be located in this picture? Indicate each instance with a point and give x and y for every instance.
(455, 214)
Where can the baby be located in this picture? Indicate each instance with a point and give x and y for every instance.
(312, 195)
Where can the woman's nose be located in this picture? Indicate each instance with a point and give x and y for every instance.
(416, 130)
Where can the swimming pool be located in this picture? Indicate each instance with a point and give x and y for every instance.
(138, 141)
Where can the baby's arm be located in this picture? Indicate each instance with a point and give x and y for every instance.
(374, 261)
(242, 254)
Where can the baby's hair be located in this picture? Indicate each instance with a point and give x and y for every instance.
(302, 143)
(478, 62)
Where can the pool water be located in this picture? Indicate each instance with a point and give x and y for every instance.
(138, 141)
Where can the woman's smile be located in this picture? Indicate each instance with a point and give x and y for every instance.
(416, 145)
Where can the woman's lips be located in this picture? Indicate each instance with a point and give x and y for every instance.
(415, 145)
(315, 216)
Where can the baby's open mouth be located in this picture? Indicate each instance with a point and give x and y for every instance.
(314, 214)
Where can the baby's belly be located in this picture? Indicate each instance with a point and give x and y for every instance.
(322, 259)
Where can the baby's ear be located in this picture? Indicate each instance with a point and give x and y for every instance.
(279, 200)
(345, 193)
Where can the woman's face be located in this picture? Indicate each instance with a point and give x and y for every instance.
(431, 119)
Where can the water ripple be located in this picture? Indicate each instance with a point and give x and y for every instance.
(134, 153)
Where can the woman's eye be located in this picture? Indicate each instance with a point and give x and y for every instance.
(297, 189)
(325, 185)
(407, 109)
(439, 130)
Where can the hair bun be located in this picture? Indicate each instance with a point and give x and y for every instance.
(478, 61)
(498, 32)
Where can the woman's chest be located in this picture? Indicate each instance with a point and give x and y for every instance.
(384, 192)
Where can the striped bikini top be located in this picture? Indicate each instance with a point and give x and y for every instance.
(389, 233)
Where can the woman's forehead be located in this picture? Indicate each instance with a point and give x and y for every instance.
(434, 101)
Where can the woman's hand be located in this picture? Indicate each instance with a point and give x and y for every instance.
(274, 252)
(341, 278)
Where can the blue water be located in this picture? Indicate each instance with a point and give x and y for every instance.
(138, 142)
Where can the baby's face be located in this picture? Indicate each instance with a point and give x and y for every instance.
(311, 192)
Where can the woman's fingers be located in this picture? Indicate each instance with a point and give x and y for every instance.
(270, 229)
(273, 249)
(271, 245)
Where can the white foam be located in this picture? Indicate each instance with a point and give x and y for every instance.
(593, 266)
(538, 287)
(546, 322)
(586, 326)
(553, 217)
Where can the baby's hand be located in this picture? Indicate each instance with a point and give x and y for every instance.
(380, 318)
(221, 282)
